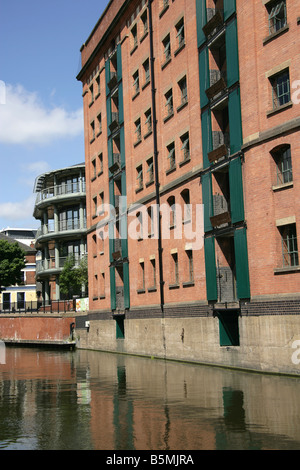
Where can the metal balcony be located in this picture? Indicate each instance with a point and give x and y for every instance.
(116, 163)
(221, 211)
(113, 80)
(114, 121)
(117, 253)
(214, 21)
(221, 146)
(218, 83)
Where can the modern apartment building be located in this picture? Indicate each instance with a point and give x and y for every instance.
(190, 114)
(23, 235)
(61, 207)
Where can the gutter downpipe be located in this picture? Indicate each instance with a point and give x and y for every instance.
(155, 151)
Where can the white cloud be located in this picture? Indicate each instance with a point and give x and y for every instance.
(31, 170)
(26, 120)
(16, 211)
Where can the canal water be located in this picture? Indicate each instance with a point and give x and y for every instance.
(89, 400)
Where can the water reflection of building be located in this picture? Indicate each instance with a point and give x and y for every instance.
(169, 120)
(60, 206)
(92, 400)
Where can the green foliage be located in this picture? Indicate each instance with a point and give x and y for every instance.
(74, 276)
(12, 261)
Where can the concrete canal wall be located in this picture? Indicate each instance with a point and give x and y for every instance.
(268, 343)
(35, 328)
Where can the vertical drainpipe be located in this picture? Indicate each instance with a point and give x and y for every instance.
(155, 151)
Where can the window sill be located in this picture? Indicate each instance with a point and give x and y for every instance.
(91, 104)
(152, 289)
(164, 65)
(135, 95)
(133, 49)
(137, 143)
(287, 269)
(179, 49)
(140, 291)
(183, 162)
(97, 96)
(138, 190)
(99, 133)
(275, 35)
(149, 183)
(147, 134)
(170, 170)
(146, 84)
(188, 284)
(144, 36)
(174, 286)
(280, 187)
(163, 11)
(102, 296)
(271, 112)
(93, 140)
(166, 119)
(182, 105)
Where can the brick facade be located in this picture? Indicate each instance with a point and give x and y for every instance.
(197, 90)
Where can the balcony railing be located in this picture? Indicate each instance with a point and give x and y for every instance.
(113, 80)
(221, 146)
(59, 190)
(114, 121)
(116, 163)
(62, 226)
(218, 83)
(214, 21)
(51, 263)
(221, 209)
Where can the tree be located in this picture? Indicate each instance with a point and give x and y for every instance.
(12, 261)
(74, 276)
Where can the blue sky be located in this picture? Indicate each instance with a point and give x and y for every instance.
(41, 117)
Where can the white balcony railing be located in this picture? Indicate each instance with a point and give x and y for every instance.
(62, 226)
(59, 190)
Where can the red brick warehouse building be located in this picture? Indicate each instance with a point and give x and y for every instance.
(189, 104)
